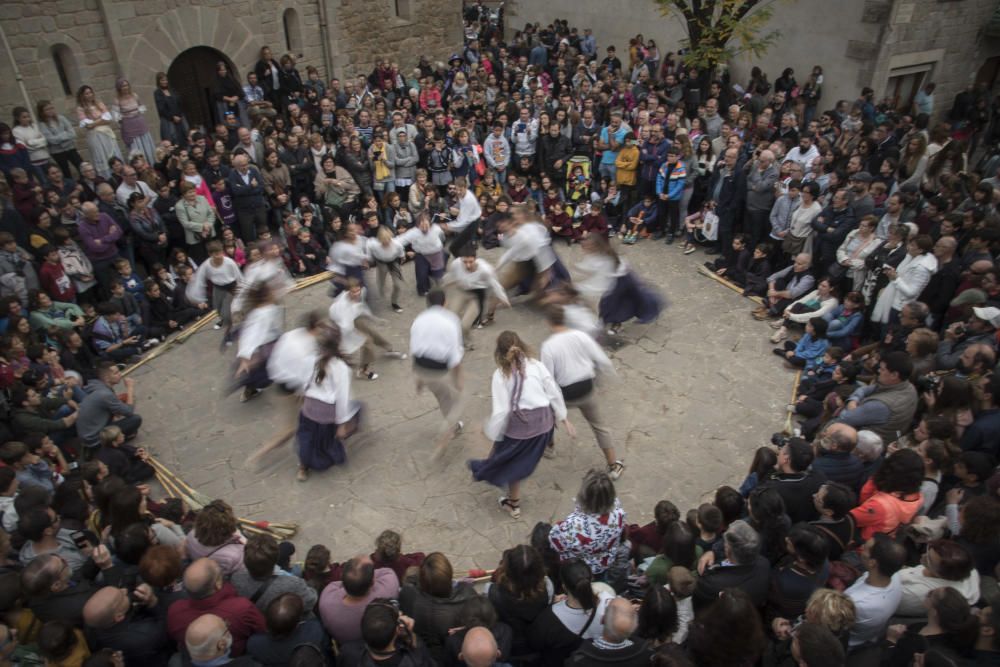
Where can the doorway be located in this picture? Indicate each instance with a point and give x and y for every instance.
(192, 75)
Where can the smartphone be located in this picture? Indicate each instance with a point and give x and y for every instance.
(80, 539)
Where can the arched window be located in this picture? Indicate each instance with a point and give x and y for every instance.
(65, 64)
(293, 33)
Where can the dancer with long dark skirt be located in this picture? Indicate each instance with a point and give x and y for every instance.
(527, 403)
(262, 326)
(328, 415)
(627, 297)
(290, 366)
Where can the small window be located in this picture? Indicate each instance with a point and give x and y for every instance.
(293, 34)
(402, 9)
(65, 64)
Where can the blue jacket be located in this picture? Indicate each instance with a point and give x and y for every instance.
(671, 180)
(842, 467)
(650, 213)
(651, 156)
(811, 350)
(842, 326)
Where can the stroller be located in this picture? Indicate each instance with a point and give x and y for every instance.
(577, 191)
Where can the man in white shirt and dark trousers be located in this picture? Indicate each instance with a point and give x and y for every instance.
(437, 350)
(475, 279)
(466, 217)
(575, 359)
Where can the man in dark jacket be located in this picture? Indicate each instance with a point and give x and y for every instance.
(652, 154)
(941, 288)
(553, 151)
(247, 188)
(389, 635)
(139, 632)
(835, 459)
(795, 482)
(615, 645)
(831, 227)
(728, 189)
(744, 568)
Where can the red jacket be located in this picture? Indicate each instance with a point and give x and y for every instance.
(241, 616)
(55, 282)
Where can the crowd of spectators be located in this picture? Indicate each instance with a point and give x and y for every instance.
(870, 534)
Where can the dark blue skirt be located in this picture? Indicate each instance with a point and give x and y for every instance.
(510, 460)
(557, 276)
(319, 447)
(256, 377)
(630, 298)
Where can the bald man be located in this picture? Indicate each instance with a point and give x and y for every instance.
(210, 595)
(247, 188)
(836, 460)
(141, 636)
(615, 646)
(760, 195)
(479, 648)
(208, 642)
(99, 235)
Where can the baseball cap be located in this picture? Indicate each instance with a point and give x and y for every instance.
(991, 315)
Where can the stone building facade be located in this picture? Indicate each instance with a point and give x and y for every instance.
(891, 45)
(51, 47)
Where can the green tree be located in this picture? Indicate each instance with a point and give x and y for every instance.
(719, 30)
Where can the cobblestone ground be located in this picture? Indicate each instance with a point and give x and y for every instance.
(696, 393)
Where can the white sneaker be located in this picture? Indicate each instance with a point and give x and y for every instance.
(616, 469)
(396, 355)
(217, 325)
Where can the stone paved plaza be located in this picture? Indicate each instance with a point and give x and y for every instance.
(696, 393)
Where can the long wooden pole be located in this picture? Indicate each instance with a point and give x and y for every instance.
(728, 283)
(791, 404)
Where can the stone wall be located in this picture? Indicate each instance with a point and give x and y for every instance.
(142, 37)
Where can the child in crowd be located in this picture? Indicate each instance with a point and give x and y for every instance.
(640, 219)
(755, 279)
(129, 279)
(125, 461)
(808, 352)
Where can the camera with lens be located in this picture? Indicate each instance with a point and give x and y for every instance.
(925, 383)
(779, 440)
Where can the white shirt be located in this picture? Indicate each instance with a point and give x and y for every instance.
(335, 389)
(293, 359)
(804, 159)
(430, 243)
(468, 212)
(538, 390)
(347, 253)
(530, 241)
(270, 271)
(483, 277)
(125, 191)
(261, 326)
(873, 608)
(916, 585)
(343, 312)
(582, 319)
(378, 252)
(228, 272)
(436, 334)
(573, 356)
(601, 273)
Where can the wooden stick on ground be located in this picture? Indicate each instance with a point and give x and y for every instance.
(791, 404)
(728, 283)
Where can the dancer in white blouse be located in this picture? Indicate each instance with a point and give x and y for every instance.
(427, 242)
(527, 403)
(222, 275)
(263, 322)
(385, 251)
(477, 285)
(359, 328)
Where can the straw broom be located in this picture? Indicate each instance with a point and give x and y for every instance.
(787, 430)
(728, 283)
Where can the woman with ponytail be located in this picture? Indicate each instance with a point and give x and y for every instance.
(560, 629)
(526, 404)
(328, 415)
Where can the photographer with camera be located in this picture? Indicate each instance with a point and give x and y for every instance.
(130, 621)
(981, 328)
(387, 638)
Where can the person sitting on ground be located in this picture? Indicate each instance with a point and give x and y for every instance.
(342, 603)
(128, 462)
(808, 352)
(785, 286)
(886, 406)
(733, 264)
(834, 458)
(102, 406)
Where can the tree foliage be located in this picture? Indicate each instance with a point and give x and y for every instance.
(719, 30)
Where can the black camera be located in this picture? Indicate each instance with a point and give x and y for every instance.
(926, 383)
(779, 440)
